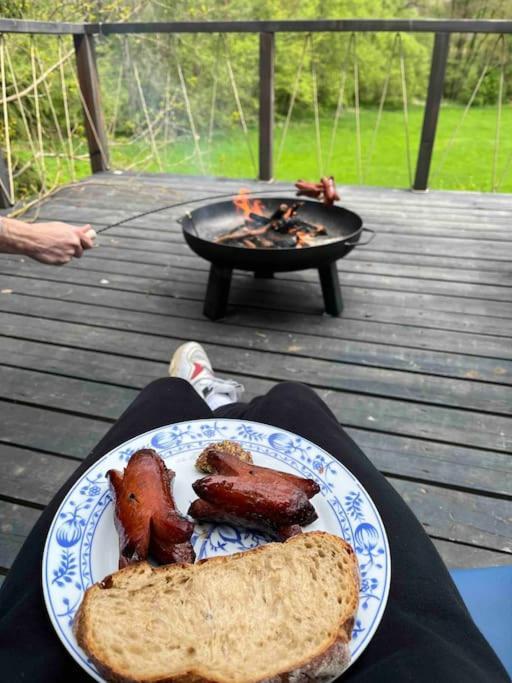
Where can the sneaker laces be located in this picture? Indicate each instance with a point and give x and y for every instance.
(233, 390)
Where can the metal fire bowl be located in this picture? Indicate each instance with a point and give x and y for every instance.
(202, 225)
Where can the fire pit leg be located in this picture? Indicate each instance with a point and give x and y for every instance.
(217, 292)
(331, 289)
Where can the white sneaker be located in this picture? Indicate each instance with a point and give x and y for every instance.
(190, 362)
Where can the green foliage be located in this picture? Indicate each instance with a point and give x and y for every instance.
(159, 107)
(467, 165)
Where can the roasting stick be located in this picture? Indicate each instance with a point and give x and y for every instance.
(326, 187)
(229, 195)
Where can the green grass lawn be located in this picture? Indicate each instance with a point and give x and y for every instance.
(467, 165)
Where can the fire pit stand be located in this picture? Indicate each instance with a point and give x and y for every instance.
(202, 226)
(217, 292)
(219, 283)
(331, 289)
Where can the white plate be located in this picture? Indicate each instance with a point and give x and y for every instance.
(82, 544)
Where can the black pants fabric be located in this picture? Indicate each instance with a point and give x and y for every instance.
(426, 633)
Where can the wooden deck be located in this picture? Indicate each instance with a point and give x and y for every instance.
(418, 368)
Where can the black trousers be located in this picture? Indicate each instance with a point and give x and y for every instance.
(426, 633)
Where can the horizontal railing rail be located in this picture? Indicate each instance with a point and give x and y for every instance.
(278, 26)
(84, 36)
(55, 28)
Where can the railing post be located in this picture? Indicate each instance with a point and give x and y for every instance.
(91, 101)
(5, 200)
(432, 105)
(266, 118)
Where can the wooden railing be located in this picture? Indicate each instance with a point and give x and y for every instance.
(83, 35)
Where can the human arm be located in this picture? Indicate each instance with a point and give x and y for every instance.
(54, 243)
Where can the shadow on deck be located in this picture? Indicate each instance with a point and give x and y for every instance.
(418, 368)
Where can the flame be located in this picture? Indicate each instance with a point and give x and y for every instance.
(246, 205)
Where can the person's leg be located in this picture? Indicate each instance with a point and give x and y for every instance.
(426, 633)
(29, 647)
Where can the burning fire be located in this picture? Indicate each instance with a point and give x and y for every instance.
(247, 206)
(283, 228)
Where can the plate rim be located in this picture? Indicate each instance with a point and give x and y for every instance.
(48, 605)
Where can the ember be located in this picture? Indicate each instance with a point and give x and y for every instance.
(283, 229)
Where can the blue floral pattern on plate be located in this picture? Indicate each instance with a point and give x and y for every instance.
(82, 544)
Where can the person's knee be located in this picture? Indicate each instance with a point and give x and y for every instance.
(163, 386)
(289, 394)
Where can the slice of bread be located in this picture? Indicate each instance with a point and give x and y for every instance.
(283, 611)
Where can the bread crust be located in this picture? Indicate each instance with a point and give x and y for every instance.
(328, 662)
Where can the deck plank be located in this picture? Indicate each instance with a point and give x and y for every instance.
(445, 313)
(458, 555)
(390, 238)
(353, 280)
(36, 427)
(463, 226)
(76, 334)
(417, 369)
(416, 419)
(28, 476)
(481, 470)
(487, 346)
(16, 521)
(335, 375)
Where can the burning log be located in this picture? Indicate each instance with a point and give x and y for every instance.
(232, 235)
(242, 233)
(279, 213)
(309, 227)
(282, 229)
(283, 240)
(257, 218)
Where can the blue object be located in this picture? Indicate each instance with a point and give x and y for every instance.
(487, 593)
